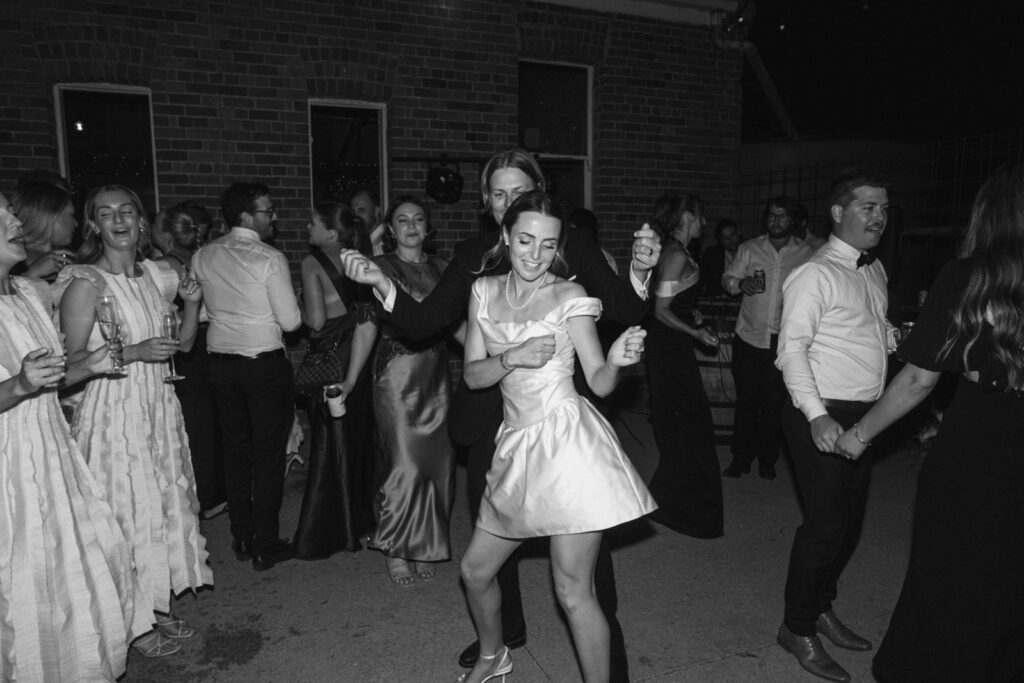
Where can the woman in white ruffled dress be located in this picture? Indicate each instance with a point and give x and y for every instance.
(130, 427)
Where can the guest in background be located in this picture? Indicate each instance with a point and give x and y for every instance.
(716, 259)
(585, 221)
(687, 484)
(758, 271)
(833, 347)
(130, 428)
(411, 394)
(365, 201)
(802, 227)
(67, 574)
(47, 215)
(251, 303)
(958, 615)
(337, 506)
(181, 230)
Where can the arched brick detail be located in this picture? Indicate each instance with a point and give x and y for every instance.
(563, 37)
(102, 54)
(347, 73)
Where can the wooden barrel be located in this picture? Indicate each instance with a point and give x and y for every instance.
(716, 364)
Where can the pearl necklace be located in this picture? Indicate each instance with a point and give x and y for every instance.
(508, 298)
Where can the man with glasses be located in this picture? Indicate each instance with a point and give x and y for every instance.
(248, 293)
(758, 270)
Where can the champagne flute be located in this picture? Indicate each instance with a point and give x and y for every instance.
(110, 328)
(170, 329)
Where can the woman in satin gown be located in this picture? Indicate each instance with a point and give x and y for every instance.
(558, 468)
(411, 395)
(130, 428)
(958, 617)
(687, 483)
(67, 589)
(337, 507)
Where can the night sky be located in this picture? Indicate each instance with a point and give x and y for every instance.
(888, 69)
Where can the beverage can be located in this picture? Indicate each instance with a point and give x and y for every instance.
(759, 281)
(335, 398)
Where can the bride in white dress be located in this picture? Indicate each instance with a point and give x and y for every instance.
(559, 469)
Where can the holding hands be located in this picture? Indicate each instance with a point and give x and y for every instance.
(628, 348)
(361, 269)
(646, 251)
(849, 446)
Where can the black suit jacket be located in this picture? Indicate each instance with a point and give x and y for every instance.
(712, 268)
(473, 410)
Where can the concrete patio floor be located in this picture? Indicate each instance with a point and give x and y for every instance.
(692, 611)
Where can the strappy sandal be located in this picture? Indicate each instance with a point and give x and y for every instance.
(155, 644)
(425, 570)
(173, 627)
(399, 571)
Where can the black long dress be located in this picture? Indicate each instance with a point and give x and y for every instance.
(337, 506)
(687, 483)
(959, 615)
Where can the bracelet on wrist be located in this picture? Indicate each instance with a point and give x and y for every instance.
(504, 361)
(856, 435)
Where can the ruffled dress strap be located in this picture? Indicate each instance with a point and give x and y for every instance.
(575, 307)
(164, 276)
(76, 272)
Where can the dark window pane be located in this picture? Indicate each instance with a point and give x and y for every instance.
(553, 108)
(109, 140)
(565, 179)
(344, 149)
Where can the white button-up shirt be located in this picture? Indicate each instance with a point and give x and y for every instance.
(834, 339)
(247, 291)
(760, 314)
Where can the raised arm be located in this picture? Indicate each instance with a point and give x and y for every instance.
(620, 299)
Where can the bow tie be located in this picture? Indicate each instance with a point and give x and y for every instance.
(866, 258)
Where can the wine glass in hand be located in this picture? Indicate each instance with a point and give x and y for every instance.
(170, 330)
(110, 328)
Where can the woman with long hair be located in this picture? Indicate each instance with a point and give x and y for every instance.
(337, 507)
(958, 615)
(130, 428)
(47, 215)
(687, 483)
(558, 468)
(411, 395)
(67, 576)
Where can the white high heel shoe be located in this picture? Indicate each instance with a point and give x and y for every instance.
(504, 666)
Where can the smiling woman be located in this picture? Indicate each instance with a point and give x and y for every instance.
(130, 427)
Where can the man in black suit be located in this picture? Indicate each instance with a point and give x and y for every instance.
(717, 259)
(475, 416)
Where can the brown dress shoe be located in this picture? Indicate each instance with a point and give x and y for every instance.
(811, 655)
(829, 626)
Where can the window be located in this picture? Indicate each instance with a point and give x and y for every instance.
(105, 136)
(346, 142)
(554, 123)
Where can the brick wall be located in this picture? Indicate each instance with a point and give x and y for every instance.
(230, 83)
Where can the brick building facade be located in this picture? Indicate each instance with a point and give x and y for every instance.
(231, 82)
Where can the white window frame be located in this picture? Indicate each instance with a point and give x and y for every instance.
(382, 137)
(62, 144)
(588, 158)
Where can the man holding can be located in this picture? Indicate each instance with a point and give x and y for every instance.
(760, 267)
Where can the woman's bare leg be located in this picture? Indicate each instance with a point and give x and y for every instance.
(573, 557)
(484, 557)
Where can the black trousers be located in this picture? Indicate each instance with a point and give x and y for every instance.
(760, 393)
(199, 408)
(254, 400)
(833, 492)
(478, 462)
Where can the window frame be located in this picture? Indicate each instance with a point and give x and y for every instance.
(62, 143)
(588, 158)
(382, 137)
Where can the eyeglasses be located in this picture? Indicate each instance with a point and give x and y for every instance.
(271, 210)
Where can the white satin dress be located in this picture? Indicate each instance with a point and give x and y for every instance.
(558, 467)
